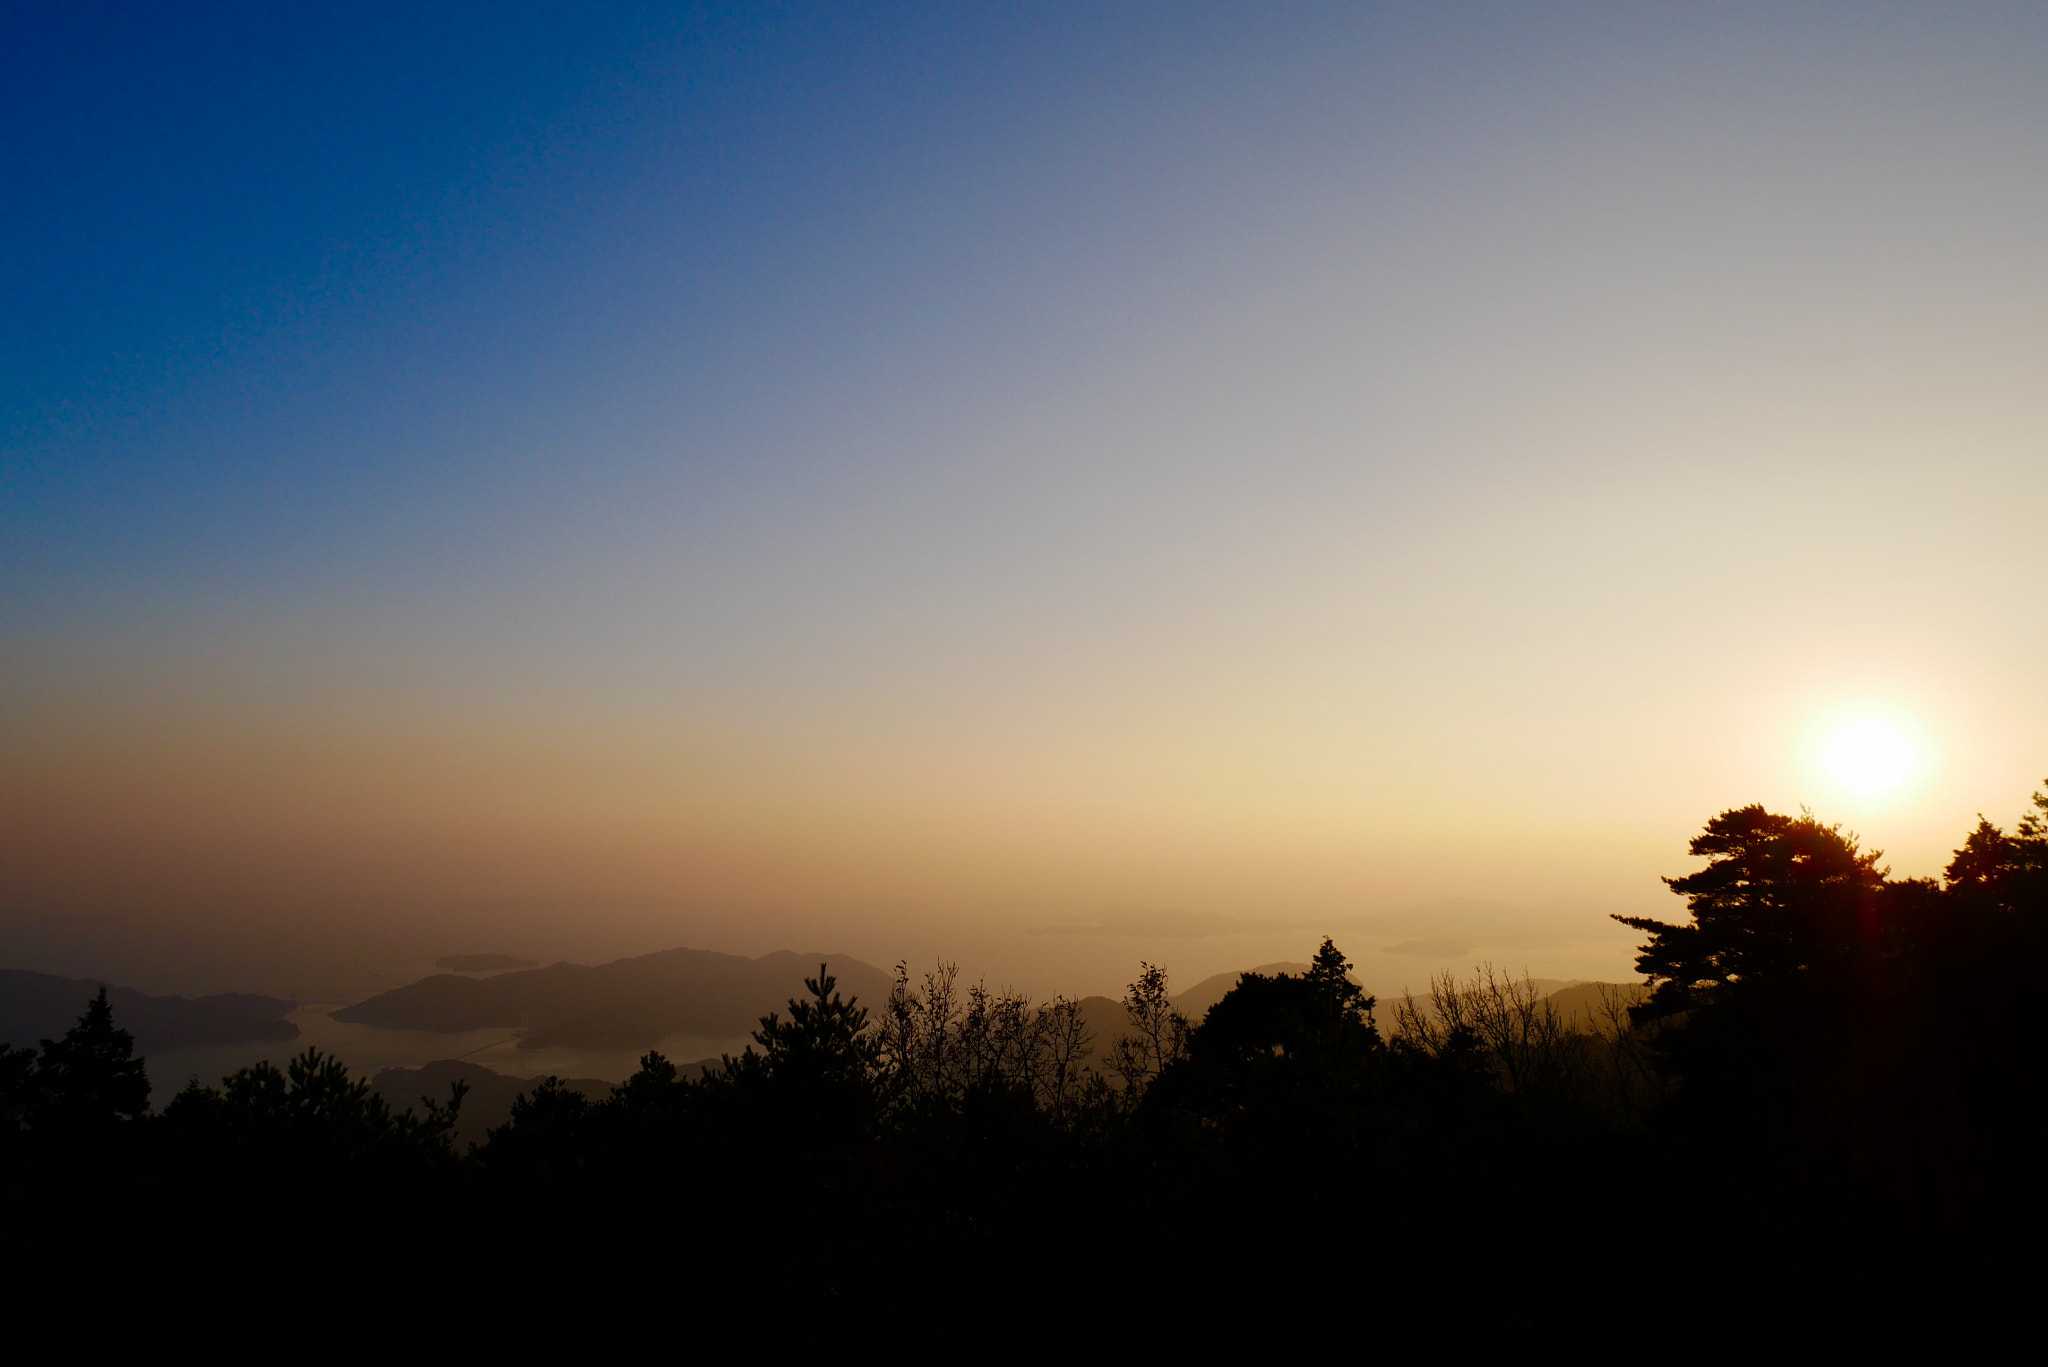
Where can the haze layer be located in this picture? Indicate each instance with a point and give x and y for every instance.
(912, 481)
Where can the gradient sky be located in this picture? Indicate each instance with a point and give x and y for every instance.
(1046, 485)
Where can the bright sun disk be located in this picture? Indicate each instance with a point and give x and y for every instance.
(1869, 757)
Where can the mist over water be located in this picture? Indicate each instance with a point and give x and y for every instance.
(369, 1050)
(1260, 674)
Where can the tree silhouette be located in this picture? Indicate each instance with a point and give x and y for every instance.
(1159, 1032)
(939, 1049)
(2005, 875)
(824, 1043)
(1320, 1016)
(1329, 974)
(1283, 1066)
(1832, 1095)
(812, 1080)
(1781, 897)
(311, 1116)
(91, 1079)
(17, 1094)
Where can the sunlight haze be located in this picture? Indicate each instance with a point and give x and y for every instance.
(1046, 488)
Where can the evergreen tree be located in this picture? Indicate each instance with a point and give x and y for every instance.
(816, 1072)
(1781, 898)
(825, 1041)
(1345, 1003)
(2002, 874)
(90, 1079)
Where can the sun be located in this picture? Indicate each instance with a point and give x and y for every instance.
(1869, 757)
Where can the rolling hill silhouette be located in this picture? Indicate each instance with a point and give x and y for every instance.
(487, 1104)
(1196, 1001)
(37, 1006)
(626, 1004)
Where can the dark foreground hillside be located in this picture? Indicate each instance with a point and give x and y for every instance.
(1815, 1134)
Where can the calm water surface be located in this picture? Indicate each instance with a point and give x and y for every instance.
(368, 1049)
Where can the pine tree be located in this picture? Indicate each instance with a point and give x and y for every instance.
(825, 1041)
(1330, 976)
(1781, 898)
(816, 1073)
(90, 1079)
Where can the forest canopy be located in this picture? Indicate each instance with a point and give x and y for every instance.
(1825, 1080)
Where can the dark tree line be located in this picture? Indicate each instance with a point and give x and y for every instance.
(1816, 1126)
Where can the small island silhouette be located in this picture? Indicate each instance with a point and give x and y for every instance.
(1811, 1126)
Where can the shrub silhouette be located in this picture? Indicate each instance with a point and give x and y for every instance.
(1815, 1128)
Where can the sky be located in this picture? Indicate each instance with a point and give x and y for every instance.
(1047, 486)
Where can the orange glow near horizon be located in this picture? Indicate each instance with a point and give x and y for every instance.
(1073, 481)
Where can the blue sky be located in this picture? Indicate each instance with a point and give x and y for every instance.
(984, 463)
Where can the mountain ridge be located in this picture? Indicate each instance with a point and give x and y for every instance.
(38, 1006)
(626, 1003)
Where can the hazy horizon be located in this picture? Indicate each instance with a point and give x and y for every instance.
(1039, 488)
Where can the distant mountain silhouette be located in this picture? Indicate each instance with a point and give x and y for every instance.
(1580, 1004)
(1577, 1000)
(1196, 1001)
(627, 1004)
(37, 1006)
(484, 963)
(1107, 1020)
(487, 1104)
